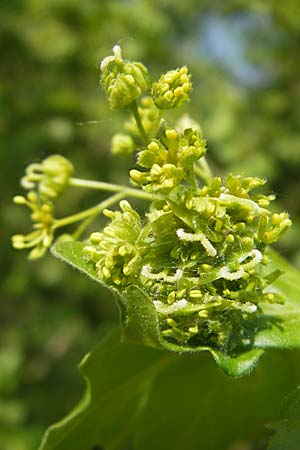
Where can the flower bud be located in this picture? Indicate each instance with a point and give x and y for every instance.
(19, 200)
(172, 89)
(122, 144)
(123, 81)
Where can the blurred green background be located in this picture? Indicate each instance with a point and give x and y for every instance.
(244, 58)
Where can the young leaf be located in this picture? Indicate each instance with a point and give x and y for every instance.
(287, 430)
(71, 252)
(192, 405)
(154, 399)
(284, 320)
(118, 377)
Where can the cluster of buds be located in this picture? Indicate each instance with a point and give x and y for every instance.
(172, 89)
(169, 160)
(42, 216)
(50, 177)
(115, 250)
(124, 81)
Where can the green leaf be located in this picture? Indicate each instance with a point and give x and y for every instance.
(118, 377)
(159, 400)
(142, 326)
(287, 430)
(193, 406)
(284, 320)
(279, 327)
(71, 252)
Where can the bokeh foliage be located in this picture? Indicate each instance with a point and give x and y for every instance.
(246, 95)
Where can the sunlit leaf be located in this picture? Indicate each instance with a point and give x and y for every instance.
(118, 377)
(284, 320)
(154, 399)
(193, 406)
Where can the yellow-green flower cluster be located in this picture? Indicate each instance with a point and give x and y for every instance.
(45, 181)
(198, 256)
(50, 177)
(169, 160)
(42, 216)
(172, 89)
(204, 267)
(115, 250)
(124, 81)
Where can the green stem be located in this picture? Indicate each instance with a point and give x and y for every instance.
(203, 170)
(102, 186)
(88, 212)
(134, 109)
(156, 124)
(82, 227)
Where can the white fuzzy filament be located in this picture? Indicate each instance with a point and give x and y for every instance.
(197, 237)
(147, 273)
(170, 309)
(256, 259)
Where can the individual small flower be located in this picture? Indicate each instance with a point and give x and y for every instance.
(271, 230)
(122, 144)
(172, 89)
(43, 224)
(115, 250)
(50, 177)
(124, 81)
